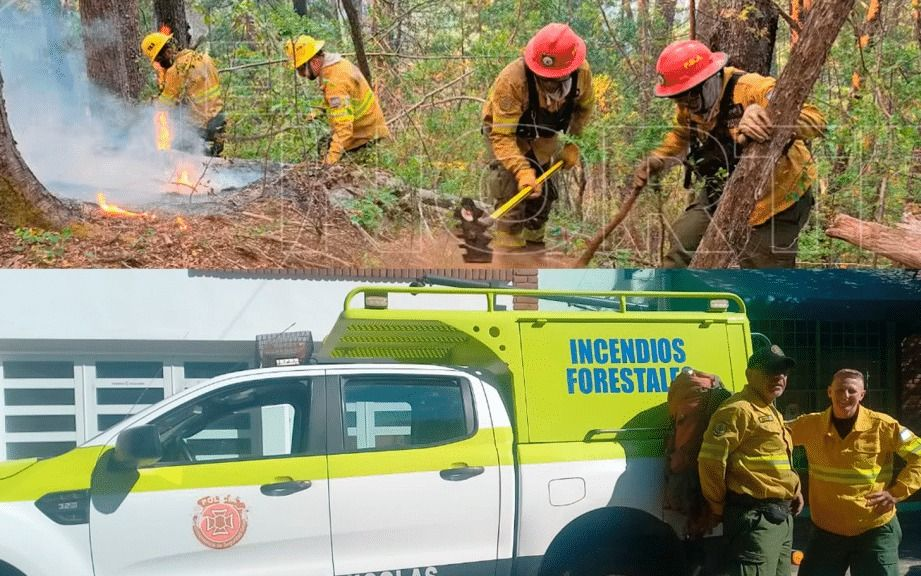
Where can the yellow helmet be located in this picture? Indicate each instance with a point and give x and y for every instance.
(153, 43)
(302, 49)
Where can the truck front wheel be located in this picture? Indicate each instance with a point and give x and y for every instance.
(615, 542)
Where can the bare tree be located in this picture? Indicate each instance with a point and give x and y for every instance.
(111, 41)
(354, 17)
(729, 230)
(171, 13)
(23, 199)
(744, 29)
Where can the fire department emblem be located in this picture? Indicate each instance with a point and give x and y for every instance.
(221, 522)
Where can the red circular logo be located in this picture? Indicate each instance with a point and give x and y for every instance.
(221, 522)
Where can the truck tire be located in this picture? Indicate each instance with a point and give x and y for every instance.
(615, 542)
(7, 570)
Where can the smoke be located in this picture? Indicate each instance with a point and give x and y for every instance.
(76, 138)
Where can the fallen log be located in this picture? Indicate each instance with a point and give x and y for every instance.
(897, 244)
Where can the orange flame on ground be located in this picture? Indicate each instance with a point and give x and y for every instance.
(113, 210)
(180, 221)
(163, 133)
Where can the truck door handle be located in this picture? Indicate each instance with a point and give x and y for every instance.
(284, 488)
(461, 473)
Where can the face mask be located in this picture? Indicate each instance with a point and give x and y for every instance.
(701, 98)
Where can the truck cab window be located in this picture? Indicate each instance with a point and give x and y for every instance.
(395, 414)
(251, 421)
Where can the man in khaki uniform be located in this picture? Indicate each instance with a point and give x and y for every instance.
(746, 472)
(189, 79)
(355, 116)
(852, 495)
(534, 98)
(718, 110)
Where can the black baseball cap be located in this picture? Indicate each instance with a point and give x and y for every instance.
(771, 360)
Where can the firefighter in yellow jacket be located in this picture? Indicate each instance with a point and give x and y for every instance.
(354, 114)
(746, 472)
(189, 80)
(852, 495)
(718, 110)
(534, 98)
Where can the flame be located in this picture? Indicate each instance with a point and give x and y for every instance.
(165, 29)
(113, 210)
(162, 130)
(182, 181)
(180, 221)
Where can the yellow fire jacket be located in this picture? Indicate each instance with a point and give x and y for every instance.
(192, 81)
(747, 450)
(795, 171)
(843, 471)
(355, 116)
(507, 101)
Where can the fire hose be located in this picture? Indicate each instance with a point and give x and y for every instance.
(474, 221)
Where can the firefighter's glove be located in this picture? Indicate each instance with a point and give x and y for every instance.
(527, 177)
(648, 168)
(755, 124)
(569, 155)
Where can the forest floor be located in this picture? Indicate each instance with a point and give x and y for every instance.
(306, 217)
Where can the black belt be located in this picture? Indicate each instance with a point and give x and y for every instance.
(775, 510)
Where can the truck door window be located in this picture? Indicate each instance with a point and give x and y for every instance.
(390, 413)
(255, 420)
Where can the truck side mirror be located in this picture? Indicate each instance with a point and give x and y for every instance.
(138, 446)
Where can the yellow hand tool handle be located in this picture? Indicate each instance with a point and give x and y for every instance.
(514, 200)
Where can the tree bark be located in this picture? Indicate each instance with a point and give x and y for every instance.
(23, 199)
(729, 230)
(744, 29)
(171, 13)
(300, 7)
(899, 245)
(354, 18)
(111, 41)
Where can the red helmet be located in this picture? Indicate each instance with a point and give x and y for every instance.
(555, 51)
(685, 64)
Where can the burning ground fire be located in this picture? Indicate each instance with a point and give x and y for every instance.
(164, 137)
(115, 211)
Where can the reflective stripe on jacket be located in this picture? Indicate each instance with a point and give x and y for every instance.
(508, 100)
(843, 471)
(747, 450)
(354, 114)
(192, 81)
(795, 171)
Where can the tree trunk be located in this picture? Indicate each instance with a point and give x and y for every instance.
(23, 199)
(729, 230)
(899, 245)
(111, 41)
(300, 7)
(171, 13)
(916, 16)
(744, 29)
(355, 28)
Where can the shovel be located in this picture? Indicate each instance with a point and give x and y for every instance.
(474, 220)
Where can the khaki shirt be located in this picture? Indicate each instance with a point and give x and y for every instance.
(747, 450)
(355, 115)
(843, 471)
(795, 171)
(508, 100)
(192, 81)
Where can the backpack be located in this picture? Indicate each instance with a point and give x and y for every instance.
(693, 397)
